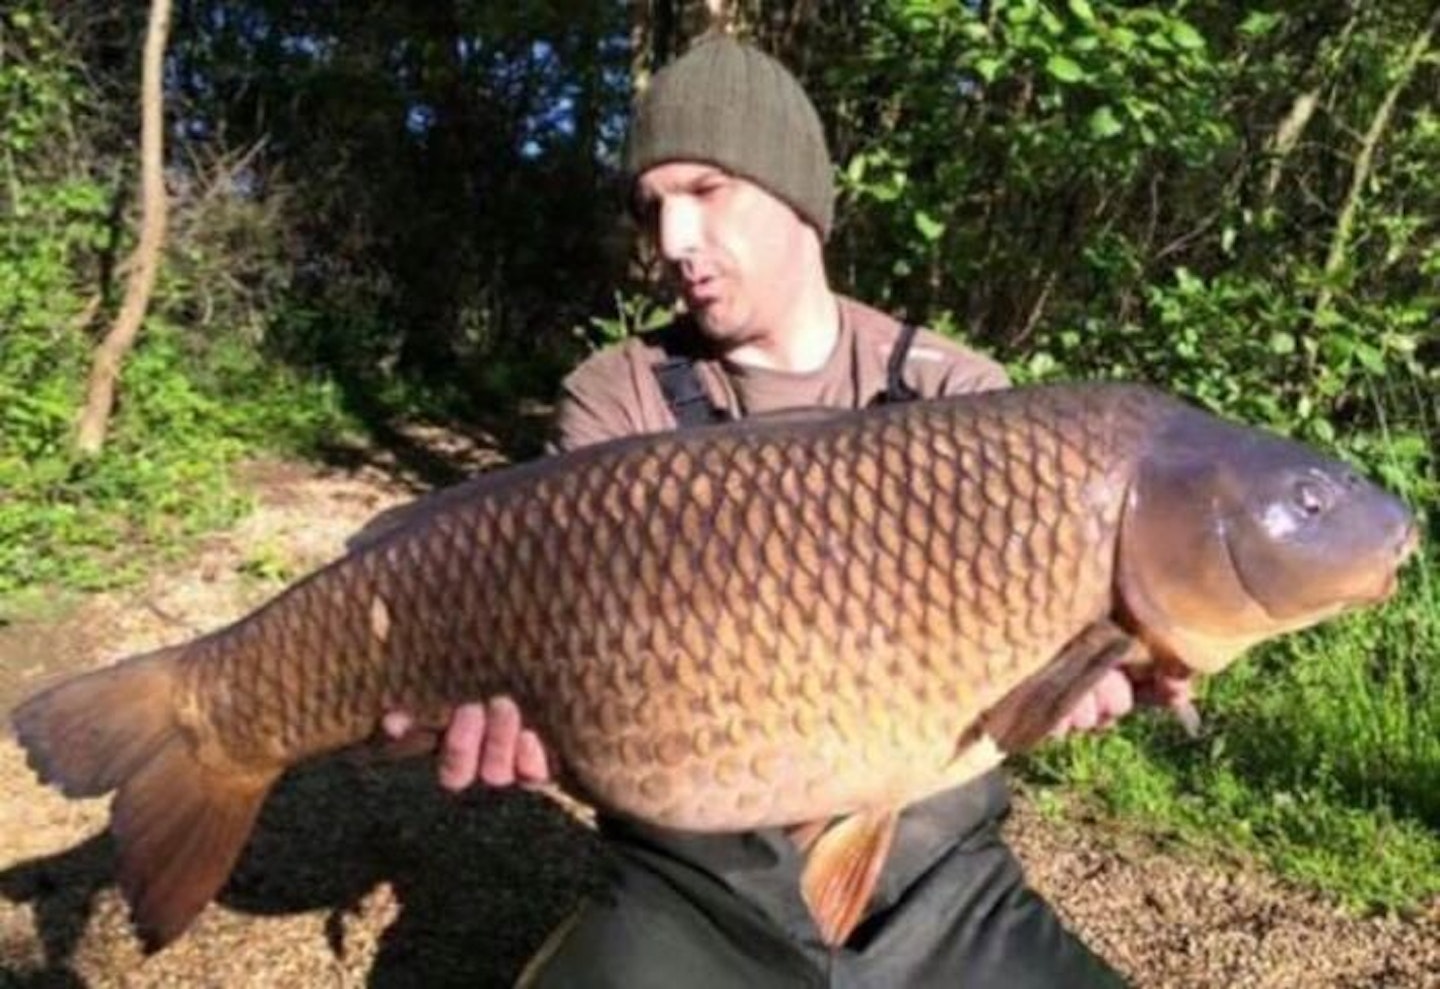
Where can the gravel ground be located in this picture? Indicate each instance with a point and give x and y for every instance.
(361, 874)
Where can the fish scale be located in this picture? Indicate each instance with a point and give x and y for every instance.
(776, 622)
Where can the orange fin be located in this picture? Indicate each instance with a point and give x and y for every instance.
(843, 869)
(179, 825)
(805, 835)
(1025, 716)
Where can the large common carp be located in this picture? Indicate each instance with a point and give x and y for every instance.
(772, 622)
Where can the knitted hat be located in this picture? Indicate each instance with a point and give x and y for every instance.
(732, 105)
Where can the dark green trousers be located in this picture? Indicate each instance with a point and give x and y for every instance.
(722, 911)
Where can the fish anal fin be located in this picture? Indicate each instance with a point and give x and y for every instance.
(1026, 715)
(843, 869)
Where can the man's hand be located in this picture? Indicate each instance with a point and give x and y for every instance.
(1116, 694)
(485, 743)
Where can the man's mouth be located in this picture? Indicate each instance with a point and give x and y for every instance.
(701, 292)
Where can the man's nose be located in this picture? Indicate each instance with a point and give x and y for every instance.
(679, 229)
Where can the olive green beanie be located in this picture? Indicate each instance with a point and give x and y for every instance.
(731, 105)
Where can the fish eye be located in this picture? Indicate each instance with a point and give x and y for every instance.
(1311, 497)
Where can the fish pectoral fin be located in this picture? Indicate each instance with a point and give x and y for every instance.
(843, 869)
(1026, 715)
(1188, 715)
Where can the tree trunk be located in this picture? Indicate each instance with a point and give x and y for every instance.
(1364, 163)
(1302, 110)
(94, 418)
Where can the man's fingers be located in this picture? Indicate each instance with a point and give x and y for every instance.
(1114, 697)
(1109, 700)
(460, 753)
(532, 765)
(502, 737)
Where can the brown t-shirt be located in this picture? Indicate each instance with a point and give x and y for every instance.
(615, 392)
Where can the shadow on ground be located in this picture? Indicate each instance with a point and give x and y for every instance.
(479, 880)
(444, 448)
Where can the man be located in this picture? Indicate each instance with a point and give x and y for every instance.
(732, 179)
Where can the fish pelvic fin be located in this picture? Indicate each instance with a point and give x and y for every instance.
(843, 869)
(179, 824)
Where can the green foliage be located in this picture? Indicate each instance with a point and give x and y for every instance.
(190, 403)
(634, 314)
(991, 114)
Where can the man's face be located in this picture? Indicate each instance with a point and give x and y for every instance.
(735, 252)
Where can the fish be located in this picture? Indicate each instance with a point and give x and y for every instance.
(807, 621)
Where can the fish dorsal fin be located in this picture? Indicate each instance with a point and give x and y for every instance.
(1026, 715)
(843, 869)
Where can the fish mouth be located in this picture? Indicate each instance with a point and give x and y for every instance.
(1409, 544)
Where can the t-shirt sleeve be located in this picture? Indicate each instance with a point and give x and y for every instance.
(938, 366)
(598, 401)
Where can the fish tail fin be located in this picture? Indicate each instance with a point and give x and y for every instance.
(179, 824)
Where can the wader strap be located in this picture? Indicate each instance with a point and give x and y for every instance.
(690, 403)
(896, 390)
(685, 394)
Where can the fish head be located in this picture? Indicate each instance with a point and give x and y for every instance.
(1232, 535)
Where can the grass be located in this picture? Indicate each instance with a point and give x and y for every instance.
(1321, 757)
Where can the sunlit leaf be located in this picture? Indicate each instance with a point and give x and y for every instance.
(1064, 69)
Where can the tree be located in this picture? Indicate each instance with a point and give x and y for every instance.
(144, 265)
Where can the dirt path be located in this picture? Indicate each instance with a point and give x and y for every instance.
(361, 875)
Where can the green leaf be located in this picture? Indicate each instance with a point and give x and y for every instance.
(1259, 22)
(1103, 123)
(974, 31)
(1282, 343)
(988, 67)
(929, 227)
(1082, 11)
(1186, 36)
(1370, 358)
(1064, 69)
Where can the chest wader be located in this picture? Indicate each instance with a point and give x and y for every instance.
(724, 911)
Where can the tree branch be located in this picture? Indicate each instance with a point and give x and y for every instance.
(1364, 164)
